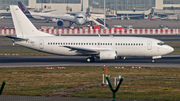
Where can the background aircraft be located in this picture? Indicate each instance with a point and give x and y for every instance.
(102, 48)
(80, 18)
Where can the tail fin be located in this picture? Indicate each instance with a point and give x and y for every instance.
(24, 10)
(24, 28)
(82, 6)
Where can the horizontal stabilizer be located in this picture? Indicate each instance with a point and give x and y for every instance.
(16, 38)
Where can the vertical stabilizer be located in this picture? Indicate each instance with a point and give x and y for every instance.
(82, 6)
(24, 28)
(24, 10)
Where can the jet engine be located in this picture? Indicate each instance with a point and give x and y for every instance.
(108, 55)
(60, 23)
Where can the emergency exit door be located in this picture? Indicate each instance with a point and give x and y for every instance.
(149, 45)
(41, 44)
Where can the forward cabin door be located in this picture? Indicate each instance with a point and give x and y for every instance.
(41, 44)
(149, 45)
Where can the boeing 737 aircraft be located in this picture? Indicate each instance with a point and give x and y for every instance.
(102, 48)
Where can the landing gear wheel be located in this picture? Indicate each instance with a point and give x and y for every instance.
(153, 61)
(90, 59)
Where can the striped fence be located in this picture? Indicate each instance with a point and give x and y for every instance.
(101, 31)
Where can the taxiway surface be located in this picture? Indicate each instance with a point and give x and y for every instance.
(38, 61)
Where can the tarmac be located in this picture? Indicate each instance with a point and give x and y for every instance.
(142, 23)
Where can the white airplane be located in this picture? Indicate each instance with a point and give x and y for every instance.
(59, 18)
(103, 48)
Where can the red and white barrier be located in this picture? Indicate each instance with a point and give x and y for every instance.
(119, 67)
(101, 31)
(60, 67)
(137, 67)
(55, 68)
(9, 54)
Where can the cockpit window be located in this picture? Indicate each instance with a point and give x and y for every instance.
(161, 43)
(79, 17)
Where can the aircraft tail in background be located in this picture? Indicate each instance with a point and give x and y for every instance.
(24, 10)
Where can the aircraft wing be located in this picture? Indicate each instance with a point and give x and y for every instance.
(83, 50)
(64, 18)
(46, 11)
(72, 13)
(123, 17)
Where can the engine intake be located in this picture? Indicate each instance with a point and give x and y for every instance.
(60, 23)
(108, 55)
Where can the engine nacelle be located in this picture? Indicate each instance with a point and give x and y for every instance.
(108, 55)
(59, 22)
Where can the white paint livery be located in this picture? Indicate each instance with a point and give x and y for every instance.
(100, 47)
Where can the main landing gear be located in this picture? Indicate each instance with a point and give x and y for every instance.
(70, 24)
(90, 59)
(153, 61)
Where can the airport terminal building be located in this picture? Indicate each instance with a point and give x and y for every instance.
(113, 7)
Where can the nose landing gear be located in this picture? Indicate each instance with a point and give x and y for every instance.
(153, 61)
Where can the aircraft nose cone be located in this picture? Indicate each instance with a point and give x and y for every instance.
(170, 49)
(80, 21)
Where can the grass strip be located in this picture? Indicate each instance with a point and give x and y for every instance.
(147, 83)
